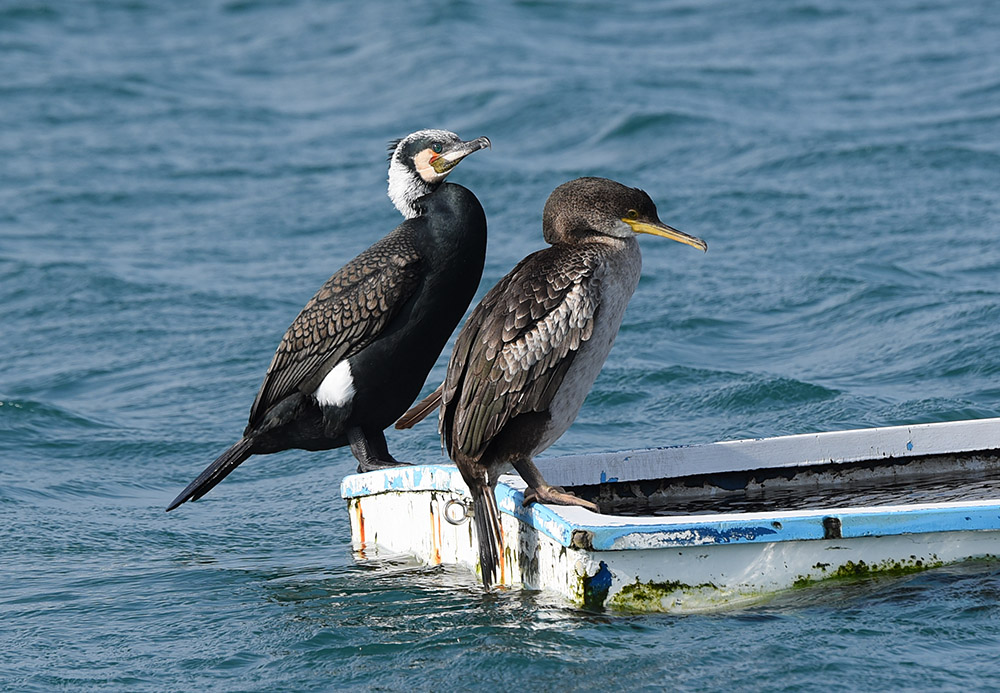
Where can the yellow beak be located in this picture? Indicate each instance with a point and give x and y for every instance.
(661, 229)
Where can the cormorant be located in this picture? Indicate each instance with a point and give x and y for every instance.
(530, 351)
(358, 353)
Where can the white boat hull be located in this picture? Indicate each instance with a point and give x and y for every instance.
(674, 563)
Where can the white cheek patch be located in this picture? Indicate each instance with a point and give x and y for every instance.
(337, 388)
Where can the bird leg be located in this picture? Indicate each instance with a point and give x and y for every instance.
(370, 450)
(539, 491)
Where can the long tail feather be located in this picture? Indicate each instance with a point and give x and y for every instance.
(214, 473)
(488, 532)
(419, 411)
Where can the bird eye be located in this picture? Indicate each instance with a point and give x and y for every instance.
(632, 214)
(436, 147)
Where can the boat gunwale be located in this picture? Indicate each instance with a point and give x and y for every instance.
(581, 528)
(833, 448)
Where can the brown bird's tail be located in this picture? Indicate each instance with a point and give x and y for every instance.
(419, 411)
(488, 533)
(215, 472)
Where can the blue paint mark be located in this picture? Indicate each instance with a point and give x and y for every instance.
(604, 477)
(606, 538)
(909, 445)
(738, 533)
(596, 588)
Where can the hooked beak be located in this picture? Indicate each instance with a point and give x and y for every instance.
(448, 159)
(658, 228)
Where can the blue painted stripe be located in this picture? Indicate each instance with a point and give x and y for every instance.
(855, 523)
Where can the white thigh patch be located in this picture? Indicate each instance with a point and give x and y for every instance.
(337, 387)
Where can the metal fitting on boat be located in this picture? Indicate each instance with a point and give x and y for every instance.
(457, 511)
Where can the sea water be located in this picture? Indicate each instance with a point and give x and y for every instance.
(177, 179)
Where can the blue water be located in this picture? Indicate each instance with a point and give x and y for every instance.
(177, 179)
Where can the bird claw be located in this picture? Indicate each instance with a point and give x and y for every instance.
(556, 495)
(375, 465)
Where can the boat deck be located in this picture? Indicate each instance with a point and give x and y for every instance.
(895, 481)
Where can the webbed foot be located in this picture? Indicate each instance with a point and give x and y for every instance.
(370, 450)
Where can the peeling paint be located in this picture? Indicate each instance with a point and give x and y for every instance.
(692, 536)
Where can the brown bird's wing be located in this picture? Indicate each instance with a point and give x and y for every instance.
(347, 314)
(514, 350)
(419, 411)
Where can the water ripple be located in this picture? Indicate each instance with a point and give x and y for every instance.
(179, 179)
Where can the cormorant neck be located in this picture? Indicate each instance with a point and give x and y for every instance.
(406, 187)
(584, 236)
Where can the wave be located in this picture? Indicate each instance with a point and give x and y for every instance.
(31, 416)
(652, 126)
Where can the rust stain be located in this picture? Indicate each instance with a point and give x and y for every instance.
(440, 542)
(359, 522)
(503, 563)
(436, 535)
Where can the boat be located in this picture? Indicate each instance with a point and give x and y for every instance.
(713, 526)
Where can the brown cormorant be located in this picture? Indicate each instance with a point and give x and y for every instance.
(358, 353)
(530, 351)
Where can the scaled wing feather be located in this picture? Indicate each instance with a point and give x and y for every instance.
(349, 312)
(517, 345)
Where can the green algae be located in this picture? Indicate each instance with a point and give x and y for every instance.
(655, 596)
(854, 570)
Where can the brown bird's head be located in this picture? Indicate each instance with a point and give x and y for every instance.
(588, 206)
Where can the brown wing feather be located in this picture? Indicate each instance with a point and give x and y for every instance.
(518, 343)
(346, 315)
(419, 411)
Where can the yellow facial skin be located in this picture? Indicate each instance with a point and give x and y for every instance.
(658, 228)
(433, 166)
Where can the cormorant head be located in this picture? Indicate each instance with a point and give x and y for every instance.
(420, 162)
(588, 206)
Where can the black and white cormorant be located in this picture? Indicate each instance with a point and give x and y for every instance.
(358, 353)
(531, 350)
